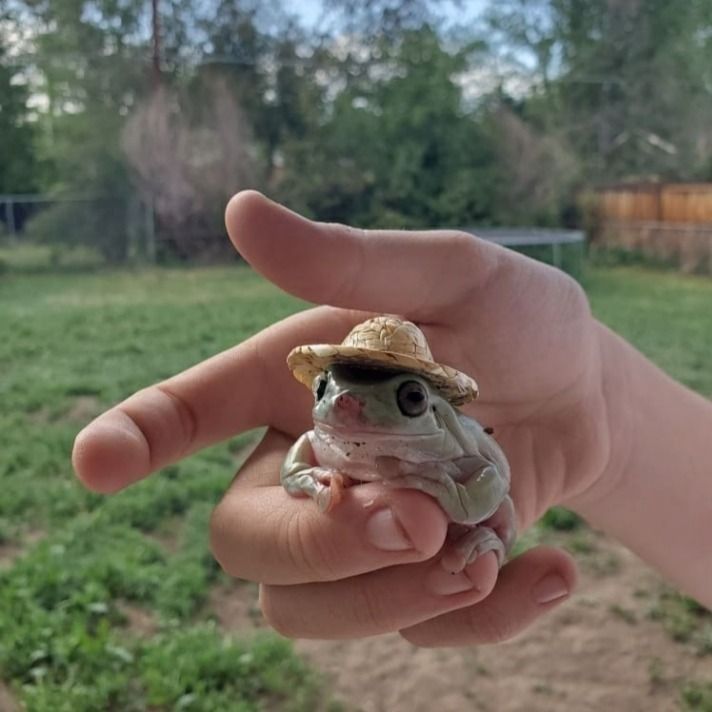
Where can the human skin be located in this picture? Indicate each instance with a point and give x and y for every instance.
(585, 420)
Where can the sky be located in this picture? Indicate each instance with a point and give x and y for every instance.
(310, 10)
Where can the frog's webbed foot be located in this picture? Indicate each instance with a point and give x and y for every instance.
(324, 486)
(470, 546)
(302, 478)
(465, 543)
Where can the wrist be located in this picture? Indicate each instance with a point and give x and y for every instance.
(619, 362)
(655, 492)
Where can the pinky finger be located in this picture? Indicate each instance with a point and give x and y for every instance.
(527, 588)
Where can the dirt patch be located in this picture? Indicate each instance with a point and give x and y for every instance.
(599, 651)
(10, 551)
(83, 409)
(169, 534)
(235, 606)
(139, 622)
(8, 703)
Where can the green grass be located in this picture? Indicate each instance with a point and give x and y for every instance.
(685, 620)
(666, 315)
(74, 343)
(697, 696)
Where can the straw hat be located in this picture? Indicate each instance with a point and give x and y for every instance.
(384, 342)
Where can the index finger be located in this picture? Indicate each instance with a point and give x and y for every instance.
(229, 393)
(420, 274)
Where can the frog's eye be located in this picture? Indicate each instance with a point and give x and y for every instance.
(319, 388)
(412, 399)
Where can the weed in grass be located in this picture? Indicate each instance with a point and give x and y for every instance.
(625, 614)
(697, 696)
(580, 542)
(684, 619)
(608, 565)
(656, 672)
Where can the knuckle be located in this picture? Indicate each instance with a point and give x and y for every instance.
(306, 549)
(185, 419)
(370, 611)
(490, 626)
(462, 241)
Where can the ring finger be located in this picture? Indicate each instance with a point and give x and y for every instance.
(378, 602)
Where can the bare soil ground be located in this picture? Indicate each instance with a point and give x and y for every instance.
(8, 703)
(598, 651)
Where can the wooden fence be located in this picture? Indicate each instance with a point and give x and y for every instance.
(664, 220)
(658, 202)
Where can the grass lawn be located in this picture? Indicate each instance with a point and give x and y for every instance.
(78, 570)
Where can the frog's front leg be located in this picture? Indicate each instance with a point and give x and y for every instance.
(301, 478)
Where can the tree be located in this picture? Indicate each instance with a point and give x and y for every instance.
(396, 146)
(17, 160)
(626, 82)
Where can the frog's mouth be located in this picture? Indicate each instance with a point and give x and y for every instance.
(354, 432)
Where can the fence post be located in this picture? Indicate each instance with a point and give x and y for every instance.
(10, 216)
(150, 230)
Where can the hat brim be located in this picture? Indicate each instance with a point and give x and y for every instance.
(307, 362)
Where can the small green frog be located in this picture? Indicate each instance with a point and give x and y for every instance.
(383, 410)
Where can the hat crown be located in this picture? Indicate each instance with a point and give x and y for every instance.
(389, 333)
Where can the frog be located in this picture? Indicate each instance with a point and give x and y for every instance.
(382, 415)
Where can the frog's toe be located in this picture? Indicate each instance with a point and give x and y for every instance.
(471, 545)
(326, 498)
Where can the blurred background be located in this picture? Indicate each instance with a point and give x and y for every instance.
(578, 131)
(127, 124)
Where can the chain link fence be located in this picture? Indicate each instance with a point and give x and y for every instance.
(96, 229)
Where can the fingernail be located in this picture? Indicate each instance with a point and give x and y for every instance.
(384, 532)
(550, 588)
(443, 583)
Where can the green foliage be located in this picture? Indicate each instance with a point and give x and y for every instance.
(614, 256)
(17, 159)
(697, 696)
(685, 620)
(627, 83)
(410, 123)
(199, 670)
(389, 157)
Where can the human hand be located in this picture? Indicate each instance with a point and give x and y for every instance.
(522, 329)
